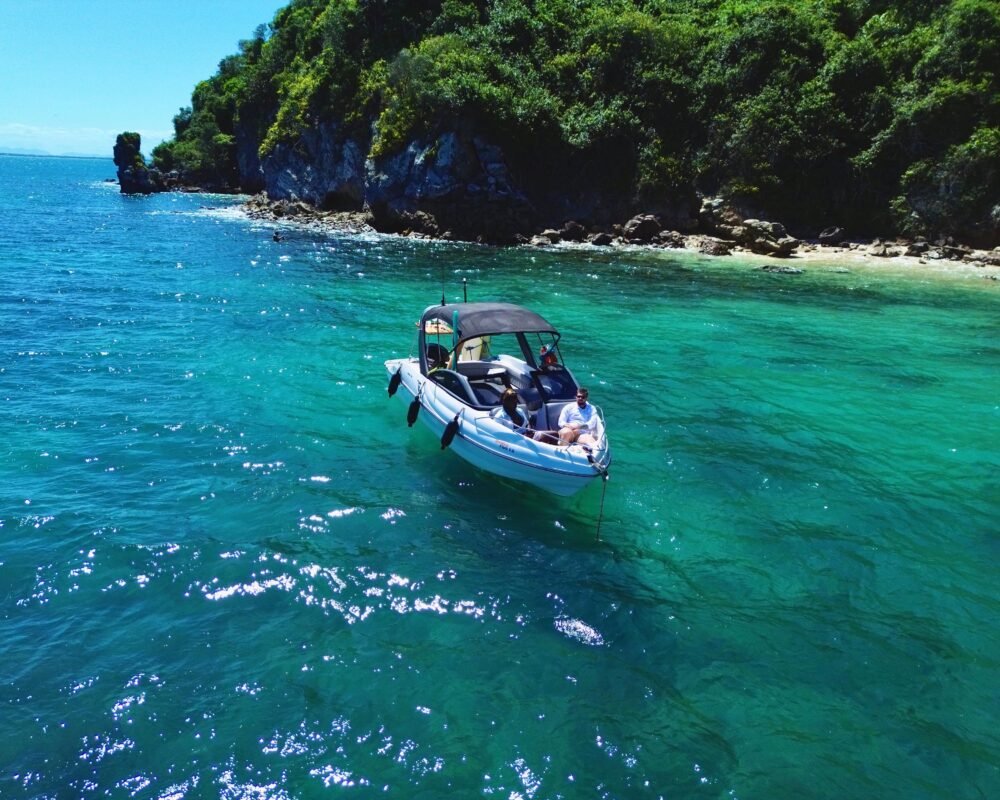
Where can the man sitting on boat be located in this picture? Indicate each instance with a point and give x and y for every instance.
(578, 421)
(510, 415)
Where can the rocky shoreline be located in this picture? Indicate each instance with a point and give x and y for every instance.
(459, 187)
(721, 232)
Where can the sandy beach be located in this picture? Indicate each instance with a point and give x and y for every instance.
(857, 258)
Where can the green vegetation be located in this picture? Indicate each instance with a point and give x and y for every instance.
(879, 115)
(127, 151)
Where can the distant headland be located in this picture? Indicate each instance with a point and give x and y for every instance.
(15, 151)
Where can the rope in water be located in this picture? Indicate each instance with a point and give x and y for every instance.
(600, 516)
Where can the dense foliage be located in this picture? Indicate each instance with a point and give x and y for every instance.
(876, 114)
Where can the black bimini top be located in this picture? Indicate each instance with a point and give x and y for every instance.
(483, 319)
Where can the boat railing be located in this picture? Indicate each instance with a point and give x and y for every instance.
(602, 436)
(602, 439)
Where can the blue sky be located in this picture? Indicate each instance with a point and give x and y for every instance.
(76, 73)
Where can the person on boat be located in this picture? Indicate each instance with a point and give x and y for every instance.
(578, 421)
(547, 356)
(510, 415)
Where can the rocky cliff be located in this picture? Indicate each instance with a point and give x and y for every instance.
(134, 177)
(452, 184)
(460, 185)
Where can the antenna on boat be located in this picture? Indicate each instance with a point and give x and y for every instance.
(443, 301)
(465, 290)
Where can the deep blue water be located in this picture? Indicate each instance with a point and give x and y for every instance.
(229, 569)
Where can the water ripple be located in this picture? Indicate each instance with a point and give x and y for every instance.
(580, 631)
(230, 570)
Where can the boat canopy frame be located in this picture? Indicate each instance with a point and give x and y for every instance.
(469, 320)
(443, 331)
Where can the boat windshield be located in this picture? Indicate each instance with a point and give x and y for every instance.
(489, 348)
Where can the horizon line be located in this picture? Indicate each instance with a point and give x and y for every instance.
(53, 155)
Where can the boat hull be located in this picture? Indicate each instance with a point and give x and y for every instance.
(488, 444)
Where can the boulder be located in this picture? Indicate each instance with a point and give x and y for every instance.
(602, 239)
(990, 257)
(955, 253)
(735, 233)
(573, 232)
(418, 223)
(759, 236)
(667, 238)
(641, 229)
(779, 248)
(831, 236)
(763, 229)
(714, 212)
(767, 238)
(711, 246)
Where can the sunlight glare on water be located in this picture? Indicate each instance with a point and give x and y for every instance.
(229, 567)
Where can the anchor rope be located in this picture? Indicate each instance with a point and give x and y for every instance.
(600, 516)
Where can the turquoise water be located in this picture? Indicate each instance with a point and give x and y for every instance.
(228, 568)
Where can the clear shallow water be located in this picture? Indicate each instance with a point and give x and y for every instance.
(229, 569)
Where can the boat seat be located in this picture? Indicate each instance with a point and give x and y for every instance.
(549, 413)
(530, 397)
(437, 356)
(486, 393)
(557, 382)
(456, 384)
(480, 370)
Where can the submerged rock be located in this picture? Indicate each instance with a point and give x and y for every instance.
(781, 269)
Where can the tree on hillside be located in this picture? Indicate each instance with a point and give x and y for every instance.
(870, 113)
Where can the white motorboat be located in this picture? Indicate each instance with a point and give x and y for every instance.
(467, 355)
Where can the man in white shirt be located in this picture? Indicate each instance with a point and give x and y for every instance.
(578, 421)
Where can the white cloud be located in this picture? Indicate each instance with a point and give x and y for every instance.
(70, 141)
